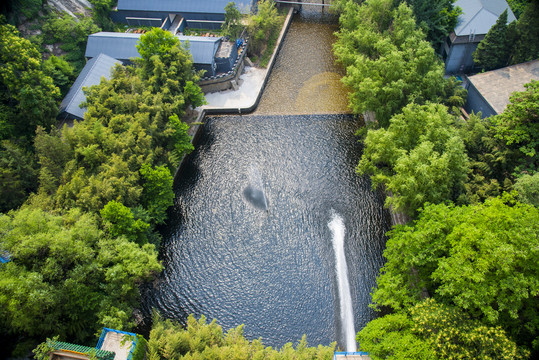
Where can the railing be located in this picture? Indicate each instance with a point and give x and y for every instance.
(107, 330)
(346, 353)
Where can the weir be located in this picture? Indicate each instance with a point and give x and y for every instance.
(281, 272)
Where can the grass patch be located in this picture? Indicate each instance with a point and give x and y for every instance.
(272, 42)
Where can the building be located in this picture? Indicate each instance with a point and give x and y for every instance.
(96, 68)
(122, 46)
(201, 14)
(489, 92)
(477, 17)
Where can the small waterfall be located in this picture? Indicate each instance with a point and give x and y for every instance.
(337, 228)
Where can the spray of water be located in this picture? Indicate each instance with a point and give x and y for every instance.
(338, 230)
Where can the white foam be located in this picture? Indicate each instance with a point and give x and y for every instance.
(338, 230)
(251, 83)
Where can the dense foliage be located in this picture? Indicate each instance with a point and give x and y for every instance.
(263, 27)
(437, 18)
(389, 64)
(82, 245)
(200, 340)
(431, 330)
(511, 44)
(232, 27)
(66, 277)
(419, 158)
(494, 50)
(478, 258)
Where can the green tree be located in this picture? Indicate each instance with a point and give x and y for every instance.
(526, 47)
(202, 340)
(388, 62)
(527, 187)
(27, 96)
(518, 125)
(430, 330)
(232, 26)
(518, 6)
(61, 72)
(479, 258)
(120, 220)
(18, 175)
(494, 50)
(420, 158)
(72, 34)
(157, 194)
(262, 26)
(437, 19)
(64, 277)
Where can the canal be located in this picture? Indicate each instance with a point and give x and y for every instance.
(251, 238)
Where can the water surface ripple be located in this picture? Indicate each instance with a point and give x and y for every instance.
(270, 267)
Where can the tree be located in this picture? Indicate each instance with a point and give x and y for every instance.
(419, 157)
(494, 50)
(120, 220)
(479, 258)
(61, 72)
(72, 34)
(18, 175)
(27, 96)
(431, 330)
(262, 25)
(518, 125)
(527, 187)
(526, 47)
(232, 26)
(437, 19)
(518, 6)
(388, 62)
(64, 277)
(157, 194)
(202, 340)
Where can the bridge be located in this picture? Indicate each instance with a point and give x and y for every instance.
(303, 3)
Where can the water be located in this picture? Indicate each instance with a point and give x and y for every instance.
(272, 270)
(338, 231)
(261, 203)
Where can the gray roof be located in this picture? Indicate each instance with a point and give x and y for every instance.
(90, 75)
(478, 16)
(203, 49)
(117, 45)
(496, 86)
(183, 6)
(123, 46)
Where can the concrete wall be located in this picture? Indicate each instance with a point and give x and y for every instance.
(476, 102)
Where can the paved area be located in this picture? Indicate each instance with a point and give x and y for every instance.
(113, 342)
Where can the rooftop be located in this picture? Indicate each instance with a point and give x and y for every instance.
(67, 350)
(478, 16)
(496, 86)
(183, 6)
(123, 46)
(91, 74)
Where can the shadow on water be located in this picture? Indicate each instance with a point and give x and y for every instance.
(248, 240)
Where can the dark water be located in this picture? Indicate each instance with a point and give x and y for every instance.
(268, 262)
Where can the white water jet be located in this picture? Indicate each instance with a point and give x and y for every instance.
(338, 230)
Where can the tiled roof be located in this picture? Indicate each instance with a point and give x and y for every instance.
(478, 16)
(101, 354)
(496, 86)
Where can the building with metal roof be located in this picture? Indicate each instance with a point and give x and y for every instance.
(489, 92)
(96, 68)
(477, 17)
(122, 46)
(205, 14)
